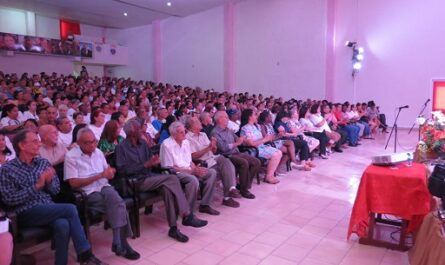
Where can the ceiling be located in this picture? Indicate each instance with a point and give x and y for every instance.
(110, 13)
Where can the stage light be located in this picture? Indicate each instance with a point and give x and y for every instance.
(357, 66)
(361, 50)
(125, 14)
(169, 3)
(359, 57)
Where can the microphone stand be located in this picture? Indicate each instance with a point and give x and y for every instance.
(394, 129)
(420, 114)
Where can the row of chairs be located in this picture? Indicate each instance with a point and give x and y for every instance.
(127, 187)
(25, 238)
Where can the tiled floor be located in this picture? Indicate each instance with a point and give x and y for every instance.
(302, 220)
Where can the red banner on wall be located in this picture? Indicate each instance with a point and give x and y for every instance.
(68, 28)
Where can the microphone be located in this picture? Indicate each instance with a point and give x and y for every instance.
(403, 107)
(428, 100)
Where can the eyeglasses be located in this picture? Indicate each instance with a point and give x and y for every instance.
(90, 142)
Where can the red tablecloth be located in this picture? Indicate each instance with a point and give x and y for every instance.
(400, 191)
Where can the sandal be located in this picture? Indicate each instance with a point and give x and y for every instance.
(310, 164)
(307, 167)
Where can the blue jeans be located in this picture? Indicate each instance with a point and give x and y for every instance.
(352, 133)
(65, 223)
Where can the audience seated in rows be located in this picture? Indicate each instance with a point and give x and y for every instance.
(86, 121)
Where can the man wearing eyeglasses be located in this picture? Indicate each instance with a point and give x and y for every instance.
(26, 186)
(86, 169)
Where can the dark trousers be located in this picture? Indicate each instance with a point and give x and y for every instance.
(382, 119)
(323, 138)
(65, 223)
(173, 195)
(344, 135)
(247, 168)
(302, 148)
(110, 203)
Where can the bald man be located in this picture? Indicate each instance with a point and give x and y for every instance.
(51, 148)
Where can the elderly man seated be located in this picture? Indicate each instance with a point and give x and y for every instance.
(203, 149)
(65, 128)
(26, 186)
(227, 142)
(176, 154)
(51, 149)
(86, 169)
(134, 159)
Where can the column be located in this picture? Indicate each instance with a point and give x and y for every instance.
(157, 56)
(229, 47)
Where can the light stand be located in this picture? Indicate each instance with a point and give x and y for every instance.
(394, 130)
(420, 114)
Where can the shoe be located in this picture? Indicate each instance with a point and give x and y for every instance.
(208, 210)
(295, 165)
(271, 181)
(353, 145)
(338, 150)
(126, 252)
(323, 156)
(247, 194)
(93, 261)
(234, 193)
(177, 235)
(231, 203)
(192, 220)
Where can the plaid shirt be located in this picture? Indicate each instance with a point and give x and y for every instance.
(17, 184)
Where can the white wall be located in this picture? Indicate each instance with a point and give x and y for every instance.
(13, 21)
(404, 43)
(193, 51)
(139, 43)
(281, 47)
(47, 27)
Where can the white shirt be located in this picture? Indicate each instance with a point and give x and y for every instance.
(97, 130)
(28, 115)
(310, 125)
(316, 119)
(199, 142)
(233, 126)
(151, 130)
(80, 165)
(173, 154)
(6, 121)
(66, 138)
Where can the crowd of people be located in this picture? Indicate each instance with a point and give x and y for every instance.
(98, 128)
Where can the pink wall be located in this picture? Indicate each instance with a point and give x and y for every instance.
(34, 64)
(140, 52)
(193, 49)
(404, 43)
(281, 47)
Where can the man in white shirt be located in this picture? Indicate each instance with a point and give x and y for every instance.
(176, 154)
(87, 169)
(65, 128)
(203, 149)
(234, 120)
(51, 149)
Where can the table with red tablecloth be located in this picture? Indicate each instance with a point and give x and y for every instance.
(399, 190)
